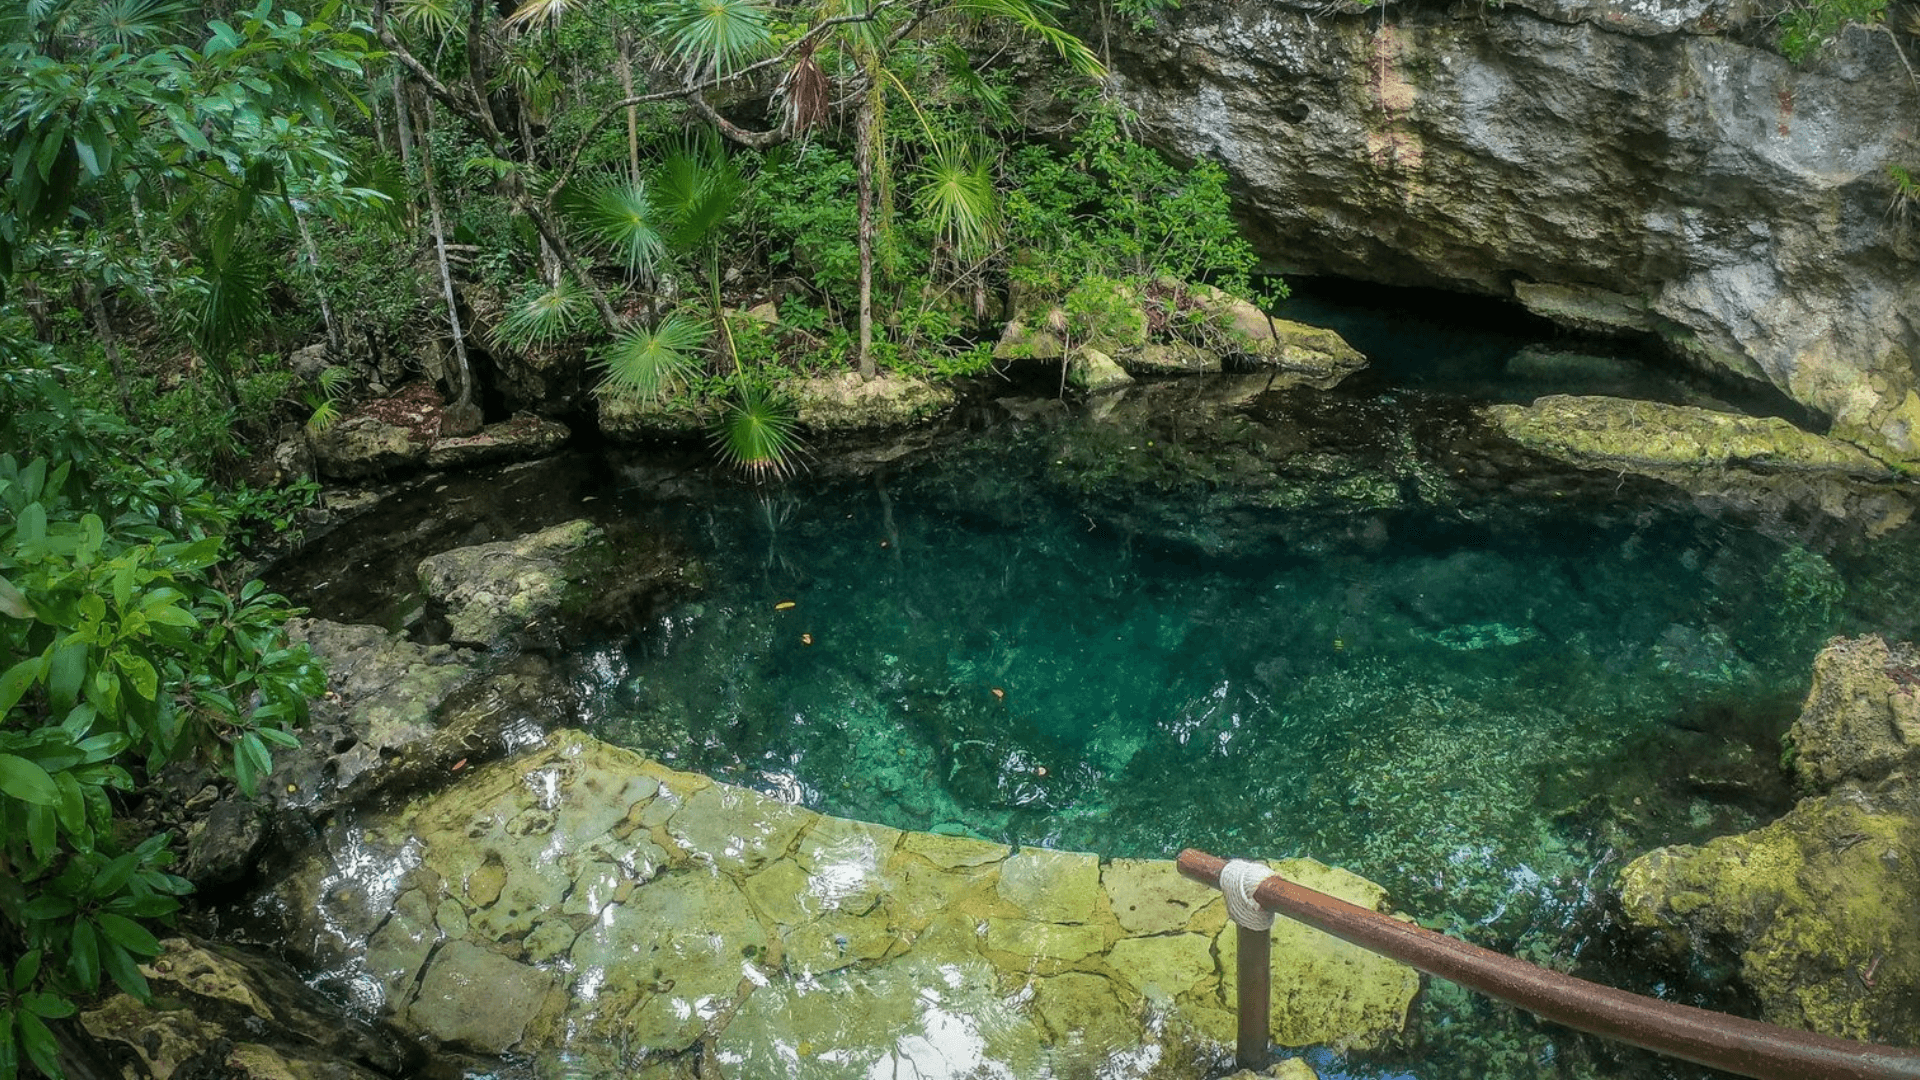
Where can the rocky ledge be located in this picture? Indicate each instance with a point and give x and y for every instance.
(583, 901)
(1819, 912)
(1716, 455)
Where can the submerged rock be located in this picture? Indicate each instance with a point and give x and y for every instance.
(1821, 909)
(582, 896)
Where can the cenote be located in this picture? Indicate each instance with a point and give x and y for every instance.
(1354, 625)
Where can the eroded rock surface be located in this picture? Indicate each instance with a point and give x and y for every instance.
(205, 994)
(1820, 909)
(491, 590)
(594, 898)
(1720, 456)
(1610, 164)
(519, 439)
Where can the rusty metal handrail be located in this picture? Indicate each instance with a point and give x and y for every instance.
(1730, 1043)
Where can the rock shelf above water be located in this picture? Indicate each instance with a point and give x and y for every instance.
(583, 900)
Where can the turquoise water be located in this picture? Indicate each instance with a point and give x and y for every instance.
(1351, 626)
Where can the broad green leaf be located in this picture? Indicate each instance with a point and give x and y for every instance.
(126, 973)
(31, 523)
(13, 602)
(129, 935)
(43, 832)
(19, 677)
(137, 669)
(47, 907)
(51, 1006)
(27, 781)
(112, 877)
(280, 738)
(66, 671)
(123, 583)
(170, 615)
(38, 1042)
(25, 970)
(83, 957)
(72, 807)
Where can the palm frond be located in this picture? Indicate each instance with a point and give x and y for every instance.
(534, 12)
(1026, 16)
(758, 434)
(234, 304)
(716, 36)
(623, 216)
(541, 317)
(649, 363)
(129, 22)
(435, 18)
(696, 186)
(956, 195)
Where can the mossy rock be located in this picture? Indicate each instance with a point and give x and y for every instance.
(1619, 432)
(1822, 909)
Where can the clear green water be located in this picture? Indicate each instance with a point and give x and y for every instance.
(1349, 626)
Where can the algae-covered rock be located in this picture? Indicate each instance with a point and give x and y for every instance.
(628, 418)
(1820, 909)
(1603, 431)
(1312, 355)
(1719, 457)
(594, 898)
(846, 402)
(491, 590)
(218, 1010)
(363, 446)
(1861, 720)
(1094, 371)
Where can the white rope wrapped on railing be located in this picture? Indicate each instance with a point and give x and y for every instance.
(1238, 879)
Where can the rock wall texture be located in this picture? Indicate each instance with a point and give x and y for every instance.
(1612, 164)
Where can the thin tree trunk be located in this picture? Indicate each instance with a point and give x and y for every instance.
(633, 111)
(863, 167)
(334, 346)
(111, 343)
(462, 416)
(403, 128)
(402, 120)
(549, 258)
(379, 124)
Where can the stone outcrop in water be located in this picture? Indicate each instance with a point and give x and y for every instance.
(491, 590)
(830, 404)
(1722, 456)
(1173, 328)
(219, 1011)
(612, 908)
(1612, 165)
(1821, 909)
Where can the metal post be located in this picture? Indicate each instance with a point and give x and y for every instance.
(1253, 995)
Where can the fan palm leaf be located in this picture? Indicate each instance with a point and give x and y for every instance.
(542, 316)
(647, 363)
(716, 36)
(956, 195)
(758, 434)
(622, 215)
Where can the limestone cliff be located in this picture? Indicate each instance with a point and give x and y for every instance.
(1613, 164)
